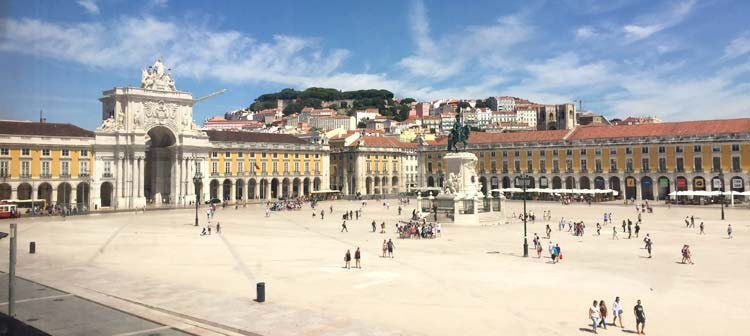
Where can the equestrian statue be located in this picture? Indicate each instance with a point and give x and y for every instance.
(459, 134)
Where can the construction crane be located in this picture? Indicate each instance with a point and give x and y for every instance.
(210, 95)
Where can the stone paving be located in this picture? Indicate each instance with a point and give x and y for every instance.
(471, 281)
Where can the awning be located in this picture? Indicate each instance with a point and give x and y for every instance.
(327, 191)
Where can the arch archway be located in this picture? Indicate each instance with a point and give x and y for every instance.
(24, 191)
(556, 182)
(543, 182)
(275, 188)
(5, 191)
(239, 189)
(296, 187)
(214, 189)
(285, 187)
(506, 182)
(82, 193)
(394, 185)
(483, 184)
(737, 183)
(376, 183)
(647, 188)
(252, 185)
(64, 193)
(681, 183)
(44, 192)
(630, 187)
(306, 186)
(430, 182)
(226, 190)
(699, 183)
(105, 192)
(384, 185)
(614, 184)
(599, 183)
(316, 184)
(664, 187)
(570, 182)
(494, 182)
(157, 177)
(584, 183)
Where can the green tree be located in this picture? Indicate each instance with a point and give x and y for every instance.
(407, 101)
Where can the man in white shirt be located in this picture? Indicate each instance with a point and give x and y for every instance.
(594, 315)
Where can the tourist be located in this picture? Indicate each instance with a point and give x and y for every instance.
(385, 247)
(610, 218)
(539, 251)
(648, 242)
(209, 229)
(562, 224)
(218, 228)
(373, 226)
(313, 213)
(203, 233)
(347, 259)
(438, 229)
(322, 214)
(390, 248)
(356, 258)
(594, 315)
(602, 314)
(688, 255)
(729, 231)
(640, 318)
(343, 227)
(623, 225)
(268, 212)
(599, 228)
(614, 233)
(637, 229)
(702, 227)
(558, 252)
(617, 312)
(687, 222)
(630, 230)
(399, 210)
(692, 221)
(549, 231)
(605, 218)
(331, 208)
(382, 227)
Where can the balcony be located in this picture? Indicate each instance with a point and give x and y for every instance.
(645, 170)
(569, 170)
(45, 175)
(86, 174)
(661, 170)
(26, 175)
(613, 170)
(227, 174)
(629, 170)
(716, 170)
(697, 170)
(542, 170)
(505, 170)
(555, 171)
(736, 170)
(680, 169)
(598, 171)
(65, 175)
(107, 175)
(530, 171)
(584, 171)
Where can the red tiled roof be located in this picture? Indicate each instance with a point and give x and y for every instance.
(387, 141)
(242, 136)
(531, 136)
(685, 128)
(8, 127)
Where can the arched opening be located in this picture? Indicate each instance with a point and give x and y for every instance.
(543, 182)
(599, 183)
(44, 192)
(226, 190)
(506, 182)
(394, 185)
(377, 185)
(737, 184)
(214, 189)
(430, 182)
(630, 187)
(556, 182)
(64, 193)
(494, 183)
(699, 183)
(680, 183)
(664, 187)
(717, 184)
(440, 181)
(251, 188)
(82, 194)
(275, 188)
(483, 184)
(24, 191)
(647, 188)
(384, 185)
(240, 189)
(316, 184)
(285, 187)
(157, 177)
(584, 183)
(306, 186)
(296, 187)
(614, 184)
(5, 191)
(105, 192)
(570, 182)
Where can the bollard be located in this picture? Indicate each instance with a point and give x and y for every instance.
(261, 292)
(32, 247)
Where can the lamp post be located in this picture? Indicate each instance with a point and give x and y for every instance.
(721, 177)
(524, 179)
(196, 181)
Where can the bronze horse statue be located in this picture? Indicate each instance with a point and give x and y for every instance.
(459, 134)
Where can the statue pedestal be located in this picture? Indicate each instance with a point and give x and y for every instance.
(461, 196)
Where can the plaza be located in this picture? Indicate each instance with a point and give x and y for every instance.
(471, 281)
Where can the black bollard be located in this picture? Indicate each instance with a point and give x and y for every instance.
(32, 247)
(261, 292)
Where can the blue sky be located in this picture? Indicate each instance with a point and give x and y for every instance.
(678, 60)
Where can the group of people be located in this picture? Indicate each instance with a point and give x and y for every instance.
(598, 313)
(416, 229)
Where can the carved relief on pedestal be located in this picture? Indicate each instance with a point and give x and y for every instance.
(159, 113)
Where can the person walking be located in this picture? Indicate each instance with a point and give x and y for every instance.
(692, 221)
(549, 231)
(637, 229)
(343, 227)
(390, 248)
(558, 252)
(539, 251)
(729, 231)
(688, 255)
(702, 227)
(357, 256)
(640, 318)
(385, 248)
(617, 312)
(623, 225)
(687, 222)
(218, 228)
(648, 246)
(382, 227)
(614, 233)
(602, 315)
(347, 259)
(322, 214)
(599, 229)
(594, 316)
(373, 226)
(630, 230)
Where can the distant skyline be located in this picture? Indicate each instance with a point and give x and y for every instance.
(676, 60)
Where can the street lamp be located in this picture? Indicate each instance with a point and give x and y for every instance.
(721, 177)
(524, 179)
(196, 181)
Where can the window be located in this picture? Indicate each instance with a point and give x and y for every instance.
(25, 168)
(45, 152)
(716, 149)
(240, 154)
(597, 151)
(505, 166)
(4, 151)
(612, 164)
(25, 152)
(645, 164)
(296, 167)
(697, 148)
(662, 149)
(252, 167)
(240, 167)
(735, 147)
(45, 169)
(275, 167)
(65, 168)
(517, 153)
(227, 167)
(598, 165)
(542, 165)
(716, 164)
(628, 150)
(492, 154)
(555, 165)
(584, 165)
(65, 152)
(698, 164)
(528, 153)
(529, 166)
(644, 150)
(679, 149)
(307, 167)
(214, 167)
(583, 151)
(214, 154)
(542, 152)
(569, 152)
(662, 164)
(736, 164)
(613, 151)
(83, 168)
(517, 166)
(263, 167)
(286, 155)
(680, 164)
(629, 165)
(108, 168)
(263, 154)
(4, 171)
(505, 154)
(317, 166)
(569, 165)
(286, 167)
(84, 153)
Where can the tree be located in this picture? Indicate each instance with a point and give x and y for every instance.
(362, 124)
(480, 104)
(407, 101)
(403, 113)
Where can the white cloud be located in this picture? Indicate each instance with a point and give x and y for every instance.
(585, 32)
(89, 5)
(647, 26)
(738, 47)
